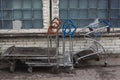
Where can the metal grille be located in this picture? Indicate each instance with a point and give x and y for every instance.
(84, 12)
(115, 13)
(27, 12)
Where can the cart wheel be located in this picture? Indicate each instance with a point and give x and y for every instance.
(12, 68)
(30, 69)
(105, 64)
(55, 69)
(70, 70)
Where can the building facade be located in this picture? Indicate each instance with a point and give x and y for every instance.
(25, 22)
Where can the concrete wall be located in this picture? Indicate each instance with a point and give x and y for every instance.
(111, 44)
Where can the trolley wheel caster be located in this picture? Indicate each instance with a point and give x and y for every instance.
(55, 70)
(30, 69)
(70, 70)
(12, 68)
(105, 64)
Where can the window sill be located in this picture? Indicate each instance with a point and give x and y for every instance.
(43, 33)
(6, 35)
(7, 31)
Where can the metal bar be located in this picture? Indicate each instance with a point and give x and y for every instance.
(48, 48)
(50, 10)
(70, 46)
(88, 55)
(57, 52)
(108, 29)
(97, 8)
(71, 50)
(68, 9)
(22, 14)
(63, 49)
(32, 12)
(2, 14)
(119, 9)
(50, 37)
(88, 9)
(25, 57)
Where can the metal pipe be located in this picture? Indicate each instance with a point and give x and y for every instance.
(71, 50)
(57, 51)
(108, 29)
(50, 10)
(48, 48)
(63, 50)
(50, 37)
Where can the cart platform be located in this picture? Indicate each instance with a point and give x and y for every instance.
(29, 51)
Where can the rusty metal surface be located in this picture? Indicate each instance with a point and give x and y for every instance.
(29, 51)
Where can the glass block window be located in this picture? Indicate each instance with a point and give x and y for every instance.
(115, 13)
(83, 12)
(28, 12)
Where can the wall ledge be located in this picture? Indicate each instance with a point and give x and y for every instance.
(3, 35)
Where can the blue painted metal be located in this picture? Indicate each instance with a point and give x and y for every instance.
(105, 22)
(68, 28)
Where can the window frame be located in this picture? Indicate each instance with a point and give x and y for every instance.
(38, 30)
(88, 17)
(113, 28)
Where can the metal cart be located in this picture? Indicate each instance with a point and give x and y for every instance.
(37, 56)
(92, 44)
(68, 30)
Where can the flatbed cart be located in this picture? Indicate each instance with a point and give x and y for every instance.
(37, 56)
(93, 47)
(31, 56)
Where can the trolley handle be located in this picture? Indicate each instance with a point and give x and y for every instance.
(54, 26)
(106, 22)
(69, 29)
(56, 20)
(66, 23)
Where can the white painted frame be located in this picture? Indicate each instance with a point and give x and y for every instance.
(46, 20)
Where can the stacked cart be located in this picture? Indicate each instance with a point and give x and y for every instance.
(92, 38)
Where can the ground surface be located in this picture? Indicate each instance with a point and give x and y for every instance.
(112, 72)
(82, 73)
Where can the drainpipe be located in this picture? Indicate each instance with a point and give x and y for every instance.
(50, 38)
(108, 29)
(50, 10)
